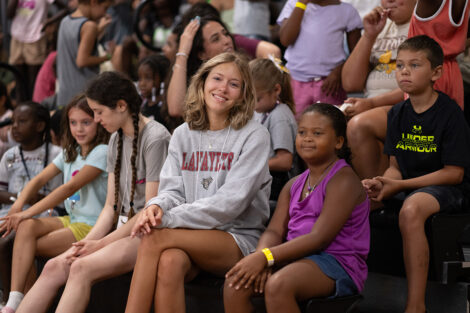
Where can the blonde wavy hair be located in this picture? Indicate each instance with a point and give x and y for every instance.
(195, 113)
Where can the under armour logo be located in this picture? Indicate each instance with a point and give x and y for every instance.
(417, 129)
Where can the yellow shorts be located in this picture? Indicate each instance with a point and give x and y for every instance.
(79, 230)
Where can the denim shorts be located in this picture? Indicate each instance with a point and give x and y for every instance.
(328, 264)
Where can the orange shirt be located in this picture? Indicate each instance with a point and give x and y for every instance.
(451, 35)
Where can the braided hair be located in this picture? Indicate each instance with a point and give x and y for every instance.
(40, 114)
(107, 89)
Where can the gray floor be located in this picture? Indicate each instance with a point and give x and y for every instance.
(387, 294)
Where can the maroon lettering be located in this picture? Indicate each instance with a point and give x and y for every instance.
(217, 167)
(184, 166)
(212, 156)
(204, 162)
(229, 162)
(224, 158)
(191, 163)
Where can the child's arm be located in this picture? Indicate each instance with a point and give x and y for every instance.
(277, 228)
(88, 35)
(151, 190)
(393, 183)
(332, 83)
(55, 18)
(281, 162)
(374, 186)
(5, 197)
(86, 175)
(344, 191)
(265, 48)
(98, 237)
(356, 68)
(32, 188)
(427, 8)
(290, 27)
(360, 105)
(175, 98)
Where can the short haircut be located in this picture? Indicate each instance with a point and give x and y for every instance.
(424, 43)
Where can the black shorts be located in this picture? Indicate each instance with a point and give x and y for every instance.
(452, 199)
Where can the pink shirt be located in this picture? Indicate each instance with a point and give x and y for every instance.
(29, 19)
(350, 247)
(45, 82)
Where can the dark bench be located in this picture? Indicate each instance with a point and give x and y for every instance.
(447, 236)
(203, 294)
(448, 280)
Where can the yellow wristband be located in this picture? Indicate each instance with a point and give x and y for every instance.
(300, 5)
(269, 256)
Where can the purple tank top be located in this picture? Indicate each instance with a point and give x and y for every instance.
(351, 245)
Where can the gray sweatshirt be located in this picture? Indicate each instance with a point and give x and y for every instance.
(217, 180)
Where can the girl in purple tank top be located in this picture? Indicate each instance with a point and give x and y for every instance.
(317, 242)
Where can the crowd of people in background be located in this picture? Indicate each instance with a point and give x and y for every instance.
(132, 133)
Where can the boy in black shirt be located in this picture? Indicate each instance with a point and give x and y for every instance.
(428, 142)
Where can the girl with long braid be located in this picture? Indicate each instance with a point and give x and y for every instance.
(213, 200)
(136, 152)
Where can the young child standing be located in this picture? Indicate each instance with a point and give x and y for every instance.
(83, 163)
(315, 58)
(28, 46)
(318, 237)
(77, 54)
(214, 188)
(20, 164)
(276, 106)
(152, 72)
(136, 152)
(428, 142)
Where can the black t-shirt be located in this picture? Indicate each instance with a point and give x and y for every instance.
(423, 143)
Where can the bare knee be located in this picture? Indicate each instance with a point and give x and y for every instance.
(410, 218)
(79, 270)
(26, 229)
(276, 285)
(150, 244)
(233, 296)
(359, 127)
(172, 267)
(56, 270)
